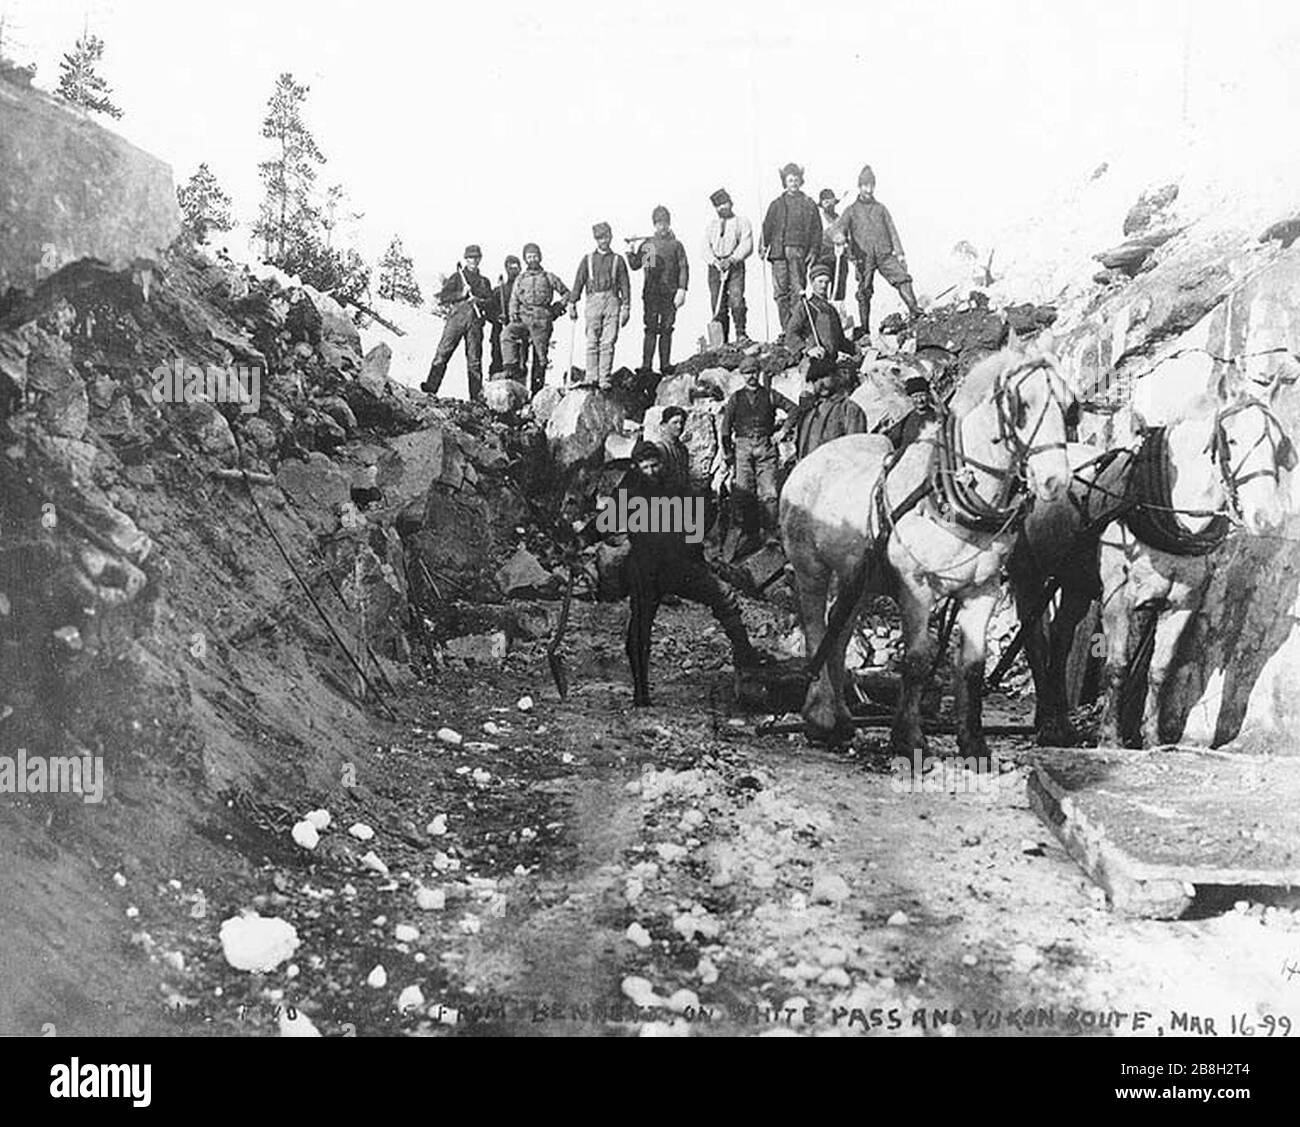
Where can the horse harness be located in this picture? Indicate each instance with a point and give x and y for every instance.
(1152, 517)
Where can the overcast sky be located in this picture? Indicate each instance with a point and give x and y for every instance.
(506, 121)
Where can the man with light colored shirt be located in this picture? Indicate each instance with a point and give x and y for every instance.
(603, 275)
(728, 241)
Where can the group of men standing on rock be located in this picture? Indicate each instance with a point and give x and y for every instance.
(797, 238)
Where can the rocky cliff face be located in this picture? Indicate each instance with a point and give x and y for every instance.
(1210, 301)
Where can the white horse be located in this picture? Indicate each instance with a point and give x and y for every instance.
(1223, 464)
(938, 521)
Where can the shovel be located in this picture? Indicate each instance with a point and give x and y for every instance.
(716, 333)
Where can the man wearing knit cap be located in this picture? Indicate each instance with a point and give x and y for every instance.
(814, 329)
(791, 240)
(462, 298)
(868, 231)
(603, 275)
(666, 278)
(728, 241)
(500, 312)
(531, 316)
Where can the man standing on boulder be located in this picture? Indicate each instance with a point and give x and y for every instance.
(501, 310)
(603, 275)
(463, 297)
(868, 230)
(666, 277)
(792, 236)
(728, 241)
(748, 423)
(532, 315)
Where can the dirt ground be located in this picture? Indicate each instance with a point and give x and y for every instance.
(668, 871)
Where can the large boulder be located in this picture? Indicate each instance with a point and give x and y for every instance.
(579, 425)
(505, 397)
(374, 369)
(545, 402)
(318, 490)
(73, 190)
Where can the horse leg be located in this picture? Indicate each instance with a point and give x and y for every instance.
(1026, 594)
(1058, 731)
(844, 727)
(644, 606)
(1169, 629)
(819, 706)
(973, 618)
(915, 605)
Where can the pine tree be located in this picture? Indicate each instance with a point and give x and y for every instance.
(397, 276)
(205, 207)
(78, 82)
(287, 214)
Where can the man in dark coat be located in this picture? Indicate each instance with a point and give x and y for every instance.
(791, 240)
(664, 563)
(463, 297)
(666, 278)
(814, 328)
(829, 412)
(908, 428)
(500, 311)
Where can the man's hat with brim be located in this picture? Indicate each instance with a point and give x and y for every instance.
(473, 251)
(821, 270)
(601, 231)
(917, 385)
(826, 194)
(720, 197)
(644, 450)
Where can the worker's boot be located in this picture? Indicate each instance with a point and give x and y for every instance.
(863, 331)
(434, 379)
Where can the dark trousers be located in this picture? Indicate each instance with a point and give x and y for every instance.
(496, 364)
(462, 323)
(518, 335)
(651, 576)
(865, 267)
(660, 314)
(732, 304)
(789, 277)
(754, 490)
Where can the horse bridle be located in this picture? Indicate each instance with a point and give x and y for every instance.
(1282, 450)
(969, 508)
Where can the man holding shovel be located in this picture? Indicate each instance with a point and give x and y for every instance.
(728, 241)
(603, 276)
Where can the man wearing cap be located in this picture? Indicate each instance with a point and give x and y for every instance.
(814, 329)
(826, 201)
(791, 239)
(463, 296)
(908, 428)
(868, 231)
(500, 310)
(603, 275)
(666, 278)
(531, 317)
(828, 413)
(664, 562)
(746, 429)
(728, 241)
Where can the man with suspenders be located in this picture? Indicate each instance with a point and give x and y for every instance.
(603, 275)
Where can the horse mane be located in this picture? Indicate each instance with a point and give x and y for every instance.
(978, 384)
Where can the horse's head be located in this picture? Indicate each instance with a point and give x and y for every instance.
(1254, 456)
(1035, 408)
